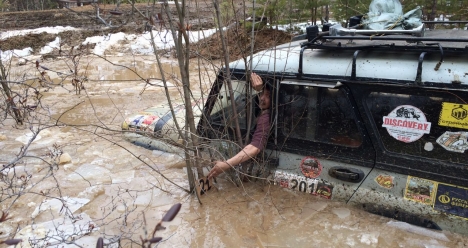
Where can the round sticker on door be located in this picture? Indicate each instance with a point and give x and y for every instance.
(406, 123)
(311, 167)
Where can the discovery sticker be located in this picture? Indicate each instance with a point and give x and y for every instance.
(384, 181)
(454, 141)
(311, 167)
(452, 200)
(406, 123)
(420, 190)
(454, 115)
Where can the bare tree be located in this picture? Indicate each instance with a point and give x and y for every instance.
(46, 183)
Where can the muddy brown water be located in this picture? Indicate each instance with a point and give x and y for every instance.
(128, 195)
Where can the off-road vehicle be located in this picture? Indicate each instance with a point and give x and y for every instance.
(380, 122)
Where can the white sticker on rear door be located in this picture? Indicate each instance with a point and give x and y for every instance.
(406, 123)
(454, 141)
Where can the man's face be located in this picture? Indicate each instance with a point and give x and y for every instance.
(265, 99)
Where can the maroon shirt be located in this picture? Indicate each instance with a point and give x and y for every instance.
(260, 136)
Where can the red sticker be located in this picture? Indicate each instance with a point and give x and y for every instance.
(324, 190)
(149, 119)
(311, 167)
(284, 183)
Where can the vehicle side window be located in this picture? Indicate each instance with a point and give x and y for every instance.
(318, 114)
(299, 111)
(222, 112)
(410, 124)
(337, 119)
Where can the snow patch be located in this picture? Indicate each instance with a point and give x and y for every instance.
(51, 46)
(418, 230)
(25, 139)
(50, 30)
(90, 172)
(341, 212)
(7, 55)
(56, 205)
(53, 233)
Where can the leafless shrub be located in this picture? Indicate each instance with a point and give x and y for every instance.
(36, 179)
(43, 183)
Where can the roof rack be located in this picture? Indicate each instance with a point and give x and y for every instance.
(429, 42)
(445, 22)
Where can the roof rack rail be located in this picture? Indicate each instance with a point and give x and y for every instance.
(445, 22)
(423, 45)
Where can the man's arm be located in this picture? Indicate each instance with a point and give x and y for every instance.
(251, 150)
(247, 153)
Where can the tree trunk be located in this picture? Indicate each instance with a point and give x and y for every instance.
(433, 14)
(347, 16)
(9, 99)
(327, 13)
(228, 75)
(315, 15)
(183, 59)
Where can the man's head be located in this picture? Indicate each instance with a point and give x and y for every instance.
(265, 97)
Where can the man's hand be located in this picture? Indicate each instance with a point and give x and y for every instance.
(256, 81)
(218, 168)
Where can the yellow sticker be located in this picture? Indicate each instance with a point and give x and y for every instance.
(420, 190)
(125, 125)
(454, 115)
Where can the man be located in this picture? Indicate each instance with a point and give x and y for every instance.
(260, 137)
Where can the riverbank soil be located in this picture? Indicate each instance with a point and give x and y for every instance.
(131, 21)
(239, 43)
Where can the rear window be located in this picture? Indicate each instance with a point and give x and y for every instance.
(318, 114)
(424, 123)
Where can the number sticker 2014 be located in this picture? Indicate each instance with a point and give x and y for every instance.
(303, 184)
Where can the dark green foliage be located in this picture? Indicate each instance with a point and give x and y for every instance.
(247, 25)
(344, 9)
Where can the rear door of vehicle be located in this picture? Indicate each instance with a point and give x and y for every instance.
(420, 135)
(418, 131)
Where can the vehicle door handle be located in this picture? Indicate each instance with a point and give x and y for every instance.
(346, 174)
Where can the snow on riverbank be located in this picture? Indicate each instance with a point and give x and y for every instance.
(50, 30)
(139, 44)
